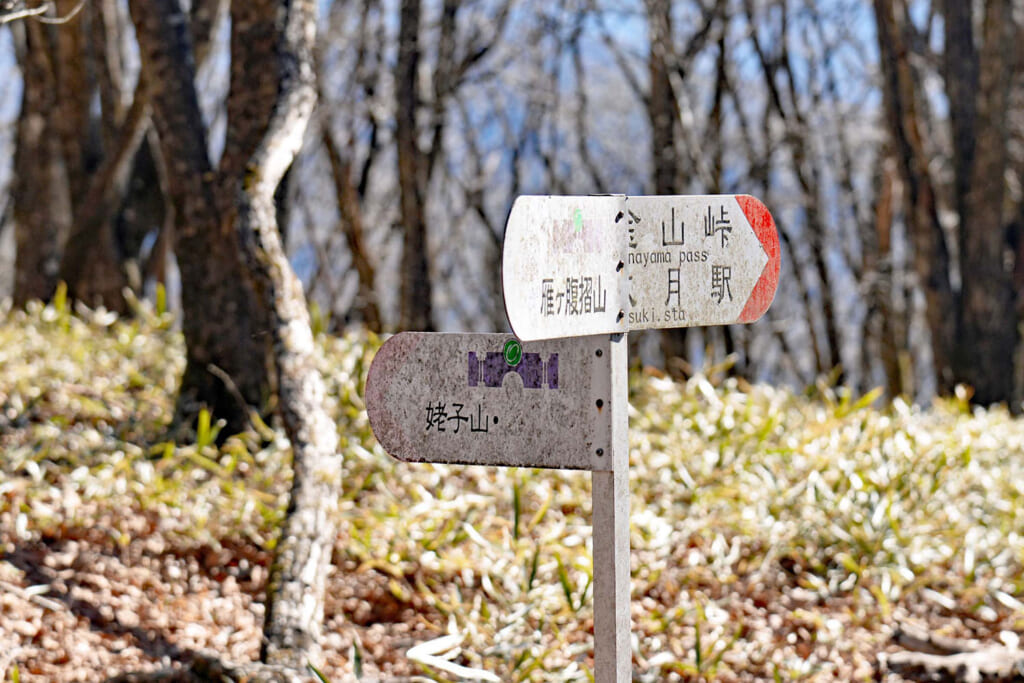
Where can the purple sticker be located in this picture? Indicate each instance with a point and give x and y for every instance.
(534, 372)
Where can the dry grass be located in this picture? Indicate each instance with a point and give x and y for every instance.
(776, 536)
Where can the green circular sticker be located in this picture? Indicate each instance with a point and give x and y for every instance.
(513, 352)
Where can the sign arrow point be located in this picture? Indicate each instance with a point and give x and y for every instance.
(763, 225)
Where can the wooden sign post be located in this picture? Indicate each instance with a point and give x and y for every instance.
(487, 399)
(577, 274)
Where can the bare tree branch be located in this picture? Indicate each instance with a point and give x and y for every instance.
(352, 228)
(931, 657)
(11, 11)
(582, 109)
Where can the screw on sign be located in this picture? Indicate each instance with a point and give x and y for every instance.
(577, 273)
(513, 352)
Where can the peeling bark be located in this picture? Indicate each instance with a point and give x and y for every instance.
(295, 595)
(276, 44)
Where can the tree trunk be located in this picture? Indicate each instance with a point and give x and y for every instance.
(352, 225)
(40, 203)
(97, 177)
(92, 265)
(662, 115)
(960, 71)
(885, 322)
(73, 125)
(111, 198)
(931, 256)
(662, 110)
(415, 308)
(275, 45)
(808, 177)
(295, 595)
(145, 211)
(985, 347)
(219, 313)
(252, 92)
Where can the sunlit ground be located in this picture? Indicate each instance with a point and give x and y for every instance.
(775, 535)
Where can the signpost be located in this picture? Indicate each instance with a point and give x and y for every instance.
(577, 273)
(486, 399)
(605, 265)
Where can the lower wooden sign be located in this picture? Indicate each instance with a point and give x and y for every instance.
(487, 399)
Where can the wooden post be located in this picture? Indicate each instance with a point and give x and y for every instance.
(612, 653)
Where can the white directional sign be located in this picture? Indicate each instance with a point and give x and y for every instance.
(607, 264)
(577, 271)
(486, 399)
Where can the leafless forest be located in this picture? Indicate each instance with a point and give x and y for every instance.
(270, 169)
(883, 135)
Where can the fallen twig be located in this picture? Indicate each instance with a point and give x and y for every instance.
(935, 658)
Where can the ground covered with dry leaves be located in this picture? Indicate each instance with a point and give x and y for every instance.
(775, 536)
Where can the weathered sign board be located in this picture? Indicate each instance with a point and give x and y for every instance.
(577, 273)
(486, 399)
(609, 264)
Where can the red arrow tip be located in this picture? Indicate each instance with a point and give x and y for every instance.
(764, 227)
